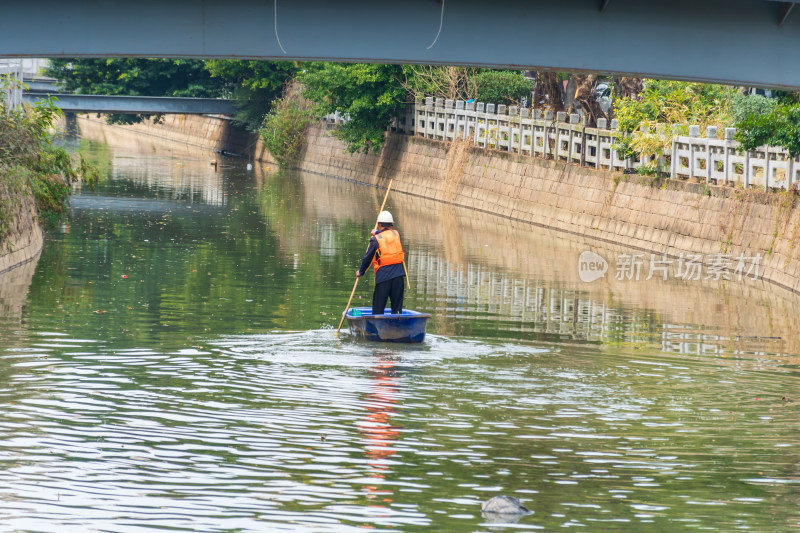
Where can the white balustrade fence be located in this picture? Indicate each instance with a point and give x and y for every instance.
(515, 130)
(566, 138)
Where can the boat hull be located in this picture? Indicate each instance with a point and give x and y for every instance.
(409, 326)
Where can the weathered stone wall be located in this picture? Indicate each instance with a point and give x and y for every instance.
(672, 217)
(25, 237)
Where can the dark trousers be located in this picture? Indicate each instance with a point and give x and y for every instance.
(390, 289)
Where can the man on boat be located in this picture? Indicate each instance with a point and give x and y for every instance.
(386, 255)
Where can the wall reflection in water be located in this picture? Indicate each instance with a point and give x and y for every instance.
(175, 170)
(14, 285)
(464, 264)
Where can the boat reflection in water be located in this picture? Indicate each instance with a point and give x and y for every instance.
(377, 429)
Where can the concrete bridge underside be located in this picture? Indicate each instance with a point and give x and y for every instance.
(749, 42)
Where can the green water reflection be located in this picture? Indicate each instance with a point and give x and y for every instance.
(173, 366)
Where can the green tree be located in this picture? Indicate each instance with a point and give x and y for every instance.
(502, 86)
(369, 95)
(464, 83)
(254, 85)
(454, 83)
(136, 77)
(779, 127)
(744, 105)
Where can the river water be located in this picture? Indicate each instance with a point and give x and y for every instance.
(174, 366)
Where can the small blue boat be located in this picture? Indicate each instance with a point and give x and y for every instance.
(408, 326)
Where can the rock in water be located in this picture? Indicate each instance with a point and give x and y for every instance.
(504, 505)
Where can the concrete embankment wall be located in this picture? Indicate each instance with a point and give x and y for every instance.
(672, 217)
(192, 131)
(25, 238)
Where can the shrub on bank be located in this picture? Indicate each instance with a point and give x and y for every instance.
(32, 166)
(285, 126)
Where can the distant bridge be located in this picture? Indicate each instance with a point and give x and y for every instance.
(78, 103)
(747, 42)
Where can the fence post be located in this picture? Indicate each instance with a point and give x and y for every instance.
(602, 124)
(729, 133)
(694, 133)
(711, 133)
(574, 118)
(747, 169)
(614, 127)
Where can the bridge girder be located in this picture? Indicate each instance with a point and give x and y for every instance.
(91, 103)
(747, 42)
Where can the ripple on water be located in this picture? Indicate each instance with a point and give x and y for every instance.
(307, 430)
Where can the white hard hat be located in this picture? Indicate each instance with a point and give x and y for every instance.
(385, 218)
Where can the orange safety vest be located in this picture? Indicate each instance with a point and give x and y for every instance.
(390, 251)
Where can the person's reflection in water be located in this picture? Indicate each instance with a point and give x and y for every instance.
(379, 434)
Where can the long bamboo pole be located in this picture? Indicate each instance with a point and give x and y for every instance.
(386, 196)
(348, 306)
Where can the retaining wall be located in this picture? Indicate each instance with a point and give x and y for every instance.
(207, 132)
(25, 238)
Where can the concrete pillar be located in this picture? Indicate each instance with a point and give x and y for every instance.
(439, 102)
(513, 111)
(711, 132)
(459, 104)
(694, 131)
(602, 123)
(429, 100)
(574, 118)
(490, 108)
(537, 114)
(501, 109)
(548, 115)
(481, 107)
(614, 124)
(524, 112)
(561, 116)
(470, 106)
(729, 133)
